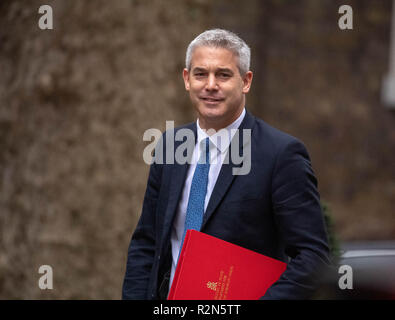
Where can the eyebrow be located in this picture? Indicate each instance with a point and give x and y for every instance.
(225, 70)
(199, 69)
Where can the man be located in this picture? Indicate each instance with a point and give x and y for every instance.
(273, 208)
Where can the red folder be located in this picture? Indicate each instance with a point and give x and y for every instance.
(213, 269)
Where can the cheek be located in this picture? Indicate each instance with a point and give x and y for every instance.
(194, 95)
(234, 95)
(194, 90)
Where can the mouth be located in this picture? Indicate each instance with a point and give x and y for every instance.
(211, 100)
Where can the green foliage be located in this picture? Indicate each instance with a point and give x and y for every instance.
(332, 237)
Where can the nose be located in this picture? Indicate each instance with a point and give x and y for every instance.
(211, 83)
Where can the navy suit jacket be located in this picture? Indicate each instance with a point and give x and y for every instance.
(273, 210)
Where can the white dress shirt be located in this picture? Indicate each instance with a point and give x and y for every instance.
(219, 144)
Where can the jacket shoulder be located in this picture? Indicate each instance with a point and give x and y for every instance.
(273, 137)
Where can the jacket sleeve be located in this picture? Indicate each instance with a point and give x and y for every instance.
(142, 245)
(298, 217)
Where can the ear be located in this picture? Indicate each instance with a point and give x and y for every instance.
(185, 75)
(247, 80)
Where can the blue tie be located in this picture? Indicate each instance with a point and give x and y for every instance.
(197, 194)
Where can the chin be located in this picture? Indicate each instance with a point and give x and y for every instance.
(211, 113)
(213, 119)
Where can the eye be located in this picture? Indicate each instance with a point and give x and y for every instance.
(224, 75)
(200, 73)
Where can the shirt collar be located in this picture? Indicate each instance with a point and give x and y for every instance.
(223, 137)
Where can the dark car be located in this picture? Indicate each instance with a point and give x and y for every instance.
(364, 270)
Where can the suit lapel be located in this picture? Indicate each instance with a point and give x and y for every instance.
(177, 179)
(224, 181)
(226, 175)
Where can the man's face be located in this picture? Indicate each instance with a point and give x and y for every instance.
(216, 87)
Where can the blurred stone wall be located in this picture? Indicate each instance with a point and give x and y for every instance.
(75, 102)
(323, 85)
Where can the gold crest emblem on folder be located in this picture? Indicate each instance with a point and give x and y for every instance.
(212, 285)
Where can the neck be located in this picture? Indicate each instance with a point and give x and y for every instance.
(218, 124)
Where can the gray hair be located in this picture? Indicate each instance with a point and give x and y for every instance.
(220, 38)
